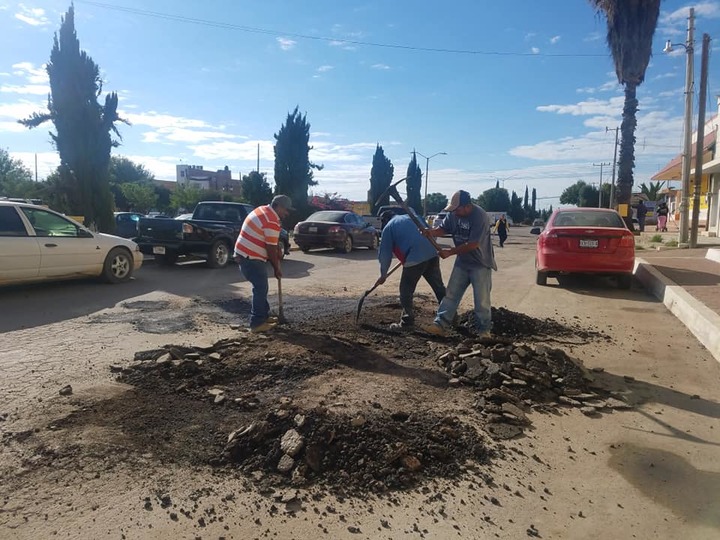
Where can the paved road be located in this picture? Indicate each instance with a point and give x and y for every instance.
(58, 334)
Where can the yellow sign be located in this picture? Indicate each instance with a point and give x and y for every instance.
(79, 219)
(624, 210)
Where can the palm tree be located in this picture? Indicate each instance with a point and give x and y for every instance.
(631, 25)
(652, 191)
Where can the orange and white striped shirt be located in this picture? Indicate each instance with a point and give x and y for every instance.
(261, 226)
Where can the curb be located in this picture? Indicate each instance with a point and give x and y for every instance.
(699, 319)
(713, 254)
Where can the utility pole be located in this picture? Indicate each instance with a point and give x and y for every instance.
(601, 165)
(258, 159)
(614, 163)
(700, 141)
(36, 167)
(689, 80)
(427, 167)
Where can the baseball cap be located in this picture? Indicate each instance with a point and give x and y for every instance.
(459, 198)
(282, 200)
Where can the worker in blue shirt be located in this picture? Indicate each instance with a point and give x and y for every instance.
(401, 237)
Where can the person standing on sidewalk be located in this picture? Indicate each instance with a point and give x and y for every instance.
(641, 214)
(401, 237)
(501, 228)
(257, 244)
(662, 217)
(469, 226)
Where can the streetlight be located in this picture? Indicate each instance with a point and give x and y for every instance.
(687, 143)
(427, 166)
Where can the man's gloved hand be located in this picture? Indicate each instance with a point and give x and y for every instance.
(380, 280)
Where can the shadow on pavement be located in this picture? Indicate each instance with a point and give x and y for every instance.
(600, 286)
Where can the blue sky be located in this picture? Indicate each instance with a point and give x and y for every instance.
(519, 92)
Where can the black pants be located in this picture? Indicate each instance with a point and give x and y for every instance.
(502, 235)
(430, 270)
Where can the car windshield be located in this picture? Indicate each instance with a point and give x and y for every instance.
(328, 215)
(588, 219)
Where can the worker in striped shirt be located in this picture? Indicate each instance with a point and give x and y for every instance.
(257, 244)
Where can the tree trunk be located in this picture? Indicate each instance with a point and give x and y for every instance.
(626, 162)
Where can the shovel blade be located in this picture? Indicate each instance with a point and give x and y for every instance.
(360, 305)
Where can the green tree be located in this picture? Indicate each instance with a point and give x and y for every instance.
(571, 195)
(414, 184)
(534, 204)
(652, 190)
(630, 29)
(494, 200)
(84, 127)
(15, 178)
(140, 197)
(516, 211)
(436, 202)
(526, 201)
(381, 175)
(186, 198)
(255, 189)
(293, 168)
(588, 196)
(123, 170)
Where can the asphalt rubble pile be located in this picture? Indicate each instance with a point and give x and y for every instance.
(514, 379)
(364, 452)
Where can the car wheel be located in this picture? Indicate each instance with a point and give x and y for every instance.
(541, 278)
(304, 249)
(166, 260)
(374, 242)
(118, 266)
(219, 254)
(347, 245)
(624, 281)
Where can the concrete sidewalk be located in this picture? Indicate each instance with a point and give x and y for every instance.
(687, 281)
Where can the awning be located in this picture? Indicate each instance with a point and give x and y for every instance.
(673, 170)
(712, 166)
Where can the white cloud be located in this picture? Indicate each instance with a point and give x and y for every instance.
(32, 89)
(380, 66)
(594, 36)
(10, 113)
(285, 43)
(47, 162)
(554, 39)
(323, 69)
(611, 85)
(30, 73)
(586, 108)
(535, 50)
(32, 16)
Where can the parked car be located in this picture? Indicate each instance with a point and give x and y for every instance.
(284, 243)
(339, 229)
(38, 244)
(585, 241)
(538, 223)
(438, 219)
(184, 216)
(126, 224)
(375, 220)
(210, 234)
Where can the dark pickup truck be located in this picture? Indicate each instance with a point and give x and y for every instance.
(210, 234)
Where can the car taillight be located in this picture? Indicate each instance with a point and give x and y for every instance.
(335, 229)
(627, 240)
(187, 228)
(550, 239)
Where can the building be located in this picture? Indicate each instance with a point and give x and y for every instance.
(709, 216)
(196, 176)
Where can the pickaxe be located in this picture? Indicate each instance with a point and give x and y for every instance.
(393, 192)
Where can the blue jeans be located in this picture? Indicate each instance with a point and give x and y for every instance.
(430, 270)
(256, 273)
(460, 280)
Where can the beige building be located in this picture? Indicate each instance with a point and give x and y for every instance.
(220, 181)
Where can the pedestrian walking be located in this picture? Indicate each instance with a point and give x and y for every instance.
(469, 226)
(642, 211)
(401, 237)
(501, 228)
(256, 245)
(662, 216)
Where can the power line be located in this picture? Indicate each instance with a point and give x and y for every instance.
(255, 30)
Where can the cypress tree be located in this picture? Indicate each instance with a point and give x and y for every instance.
(414, 183)
(381, 176)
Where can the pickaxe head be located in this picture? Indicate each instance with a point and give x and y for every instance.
(392, 191)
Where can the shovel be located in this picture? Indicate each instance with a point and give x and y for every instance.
(362, 298)
(281, 315)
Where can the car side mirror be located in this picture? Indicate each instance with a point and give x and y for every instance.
(535, 230)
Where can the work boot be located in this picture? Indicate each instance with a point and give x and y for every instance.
(435, 329)
(264, 327)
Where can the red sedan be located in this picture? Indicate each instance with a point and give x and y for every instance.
(585, 241)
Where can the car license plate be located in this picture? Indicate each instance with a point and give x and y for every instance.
(159, 250)
(312, 229)
(588, 243)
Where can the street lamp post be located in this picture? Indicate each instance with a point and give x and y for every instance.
(427, 166)
(687, 143)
